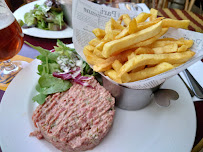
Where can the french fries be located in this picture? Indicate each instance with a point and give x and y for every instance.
(129, 50)
(89, 47)
(144, 50)
(125, 18)
(99, 33)
(131, 28)
(100, 46)
(91, 58)
(154, 13)
(145, 25)
(115, 47)
(171, 48)
(131, 55)
(183, 48)
(111, 25)
(98, 53)
(138, 68)
(161, 43)
(111, 35)
(116, 66)
(107, 63)
(176, 23)
(113, 75)
(142, 17)
(151, 40)
(94, 42)
(150, 72)
(151, 59)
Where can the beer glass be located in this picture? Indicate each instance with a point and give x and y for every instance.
(11, 41)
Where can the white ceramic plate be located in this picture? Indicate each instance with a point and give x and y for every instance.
(154, 128)
(36, 32)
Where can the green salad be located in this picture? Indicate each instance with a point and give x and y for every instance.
(59, 69)
(48, 16)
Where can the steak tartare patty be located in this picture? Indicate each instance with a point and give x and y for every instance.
(75, 120)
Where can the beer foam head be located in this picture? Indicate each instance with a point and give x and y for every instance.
(6, 16)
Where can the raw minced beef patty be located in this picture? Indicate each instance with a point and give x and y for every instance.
(75, 120)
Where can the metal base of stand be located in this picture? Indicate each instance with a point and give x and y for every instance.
(131, 99)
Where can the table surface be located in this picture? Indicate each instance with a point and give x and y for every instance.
(49, 43)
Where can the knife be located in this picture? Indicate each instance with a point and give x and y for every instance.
(195, 86)
(190, 91)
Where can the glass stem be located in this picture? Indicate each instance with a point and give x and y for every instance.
(9, 66)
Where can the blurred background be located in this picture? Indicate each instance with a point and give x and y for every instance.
(188, 5)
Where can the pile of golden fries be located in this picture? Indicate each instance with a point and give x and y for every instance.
(131, 49)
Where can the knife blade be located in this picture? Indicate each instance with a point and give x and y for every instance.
(195, 86)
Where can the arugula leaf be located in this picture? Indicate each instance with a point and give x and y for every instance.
(52, 84)
(42, 24)
(58, 18)
(43, 8)
(40, 98)
(42, 58)
(47, 80)
(30, 19)
(54, 67)
(49, 64)
(42, 51)
(47, 83)
(88, 71)
(60, 87)
(61, 47)
(38, 88)
(53, 56)
(60, 44)
(47, 16)
(40, 69)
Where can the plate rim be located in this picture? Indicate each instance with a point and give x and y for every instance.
(191, 102)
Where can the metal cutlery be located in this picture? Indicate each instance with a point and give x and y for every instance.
(132, 6)
(190, 91)
(197, 89)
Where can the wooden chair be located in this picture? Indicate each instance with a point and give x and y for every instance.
(188, 5)
(156, 3)
(198, 147)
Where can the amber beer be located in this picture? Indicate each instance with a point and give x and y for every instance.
(11, 40)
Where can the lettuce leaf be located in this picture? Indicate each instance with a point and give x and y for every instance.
(47, 83)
